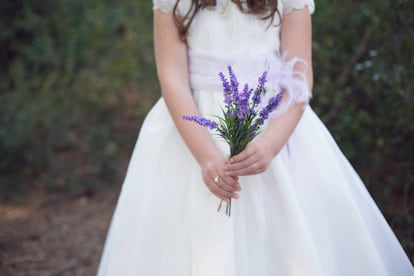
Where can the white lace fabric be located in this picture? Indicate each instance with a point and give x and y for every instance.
(290, 5)
(163, 5)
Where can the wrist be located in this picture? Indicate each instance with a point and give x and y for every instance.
(271, 141)
(207, 155)
(279, 129)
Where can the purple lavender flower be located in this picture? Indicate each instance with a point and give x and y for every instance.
(257, 96)
(249, 93)
(263, 79)
(229, 114)
(234, 83)
(243, 102)
(252, 112)
(202, 121)
(271, 105)
(227, 90)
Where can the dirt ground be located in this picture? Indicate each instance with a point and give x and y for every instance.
(55, 236)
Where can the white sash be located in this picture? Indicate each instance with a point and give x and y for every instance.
(282, 76)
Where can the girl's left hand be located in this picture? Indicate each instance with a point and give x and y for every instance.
(254, 159)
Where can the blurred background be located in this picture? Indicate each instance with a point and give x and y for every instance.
(77, 78)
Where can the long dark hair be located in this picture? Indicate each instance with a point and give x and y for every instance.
(265, 9)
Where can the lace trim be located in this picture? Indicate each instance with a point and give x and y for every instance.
(297, 5)
(165, 6)
(164, 10)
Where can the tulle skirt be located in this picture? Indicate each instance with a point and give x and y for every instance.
(309, 214)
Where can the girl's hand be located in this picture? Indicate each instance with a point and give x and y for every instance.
(221, 185)
(254, 159)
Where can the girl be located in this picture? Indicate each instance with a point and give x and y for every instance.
(298, 207)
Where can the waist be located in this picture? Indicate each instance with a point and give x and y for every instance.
(204, 68)
(281, 74)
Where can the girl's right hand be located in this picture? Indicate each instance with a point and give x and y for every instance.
(222, 186)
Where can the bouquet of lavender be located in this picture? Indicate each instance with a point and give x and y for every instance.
(243, 114)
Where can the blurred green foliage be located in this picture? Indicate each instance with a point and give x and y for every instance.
(65, 70)
(74, 73)
(364, 75)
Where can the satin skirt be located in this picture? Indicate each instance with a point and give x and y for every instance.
(309, 214)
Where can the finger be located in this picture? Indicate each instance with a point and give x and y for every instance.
(254, 168)
(232, 182)
(246, 153)
(225, 189)
(231, 169)
(223, 195)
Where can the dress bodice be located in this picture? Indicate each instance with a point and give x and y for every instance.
(235, 35)
(247, 43)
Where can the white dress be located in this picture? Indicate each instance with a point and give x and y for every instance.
(309, 214)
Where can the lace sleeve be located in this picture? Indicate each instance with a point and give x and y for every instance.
(290, 5)
(166, 6)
